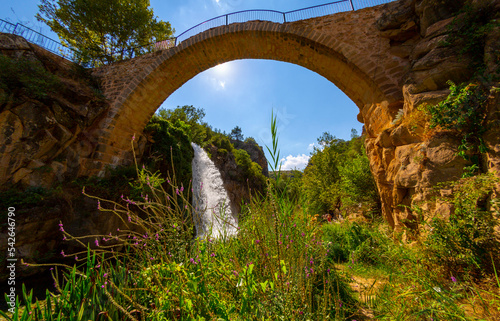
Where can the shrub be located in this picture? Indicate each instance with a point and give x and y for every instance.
(172, 149)
(465, 242)
(463, 111)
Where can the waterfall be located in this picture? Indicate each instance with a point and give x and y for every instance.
(212, 208)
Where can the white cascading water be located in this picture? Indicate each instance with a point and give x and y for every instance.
(213, 216)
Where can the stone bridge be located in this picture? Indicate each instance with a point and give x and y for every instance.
(349, 49)
(388, 59)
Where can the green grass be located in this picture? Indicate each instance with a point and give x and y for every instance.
(397, 281)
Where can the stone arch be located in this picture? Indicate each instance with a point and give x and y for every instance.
(356, 60)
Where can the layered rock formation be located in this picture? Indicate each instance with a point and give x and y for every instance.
(238, 187)
(49, 139)
(406, 161)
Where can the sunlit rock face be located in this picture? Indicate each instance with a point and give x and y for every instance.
(408, 162)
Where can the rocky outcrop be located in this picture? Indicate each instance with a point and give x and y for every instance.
(239, 186)
(255, 151)
(48, 139)
(407, 161)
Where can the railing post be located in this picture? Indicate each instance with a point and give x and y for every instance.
(227, 19)
(175, 42)
(284, 17)
(15, 27)
(352, 7)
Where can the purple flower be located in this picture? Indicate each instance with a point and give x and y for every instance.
(453, 279)
(61, 227)
(96, 242)
(257, 241)
(62, 253)
(133, 137)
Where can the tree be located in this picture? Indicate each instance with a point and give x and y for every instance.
(199, 131)
(236, 134)
(104, 31)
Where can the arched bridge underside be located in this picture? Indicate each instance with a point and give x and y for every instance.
(346, 48)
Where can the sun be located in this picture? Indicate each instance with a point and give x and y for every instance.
(223, 69)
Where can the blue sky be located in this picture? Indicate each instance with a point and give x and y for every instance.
(244, 92)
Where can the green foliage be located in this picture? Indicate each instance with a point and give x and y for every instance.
(18, 198)
(290, 185)
(357, 185)
(250, 140)
(252, 170)
(104, 31)
(26, 75)
(360, 243)
(236, 134)
(242, 159)
(464, 243)
(221, 142)
(463, 112)
(198, 131)
(338, 177)
(171, 148)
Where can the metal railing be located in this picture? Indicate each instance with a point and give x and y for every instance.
(278, 16)
(37, 38)
(223, 20)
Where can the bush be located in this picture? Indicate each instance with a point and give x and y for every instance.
(463, 112)
(221, 141)
(171, 153)
(465, 242)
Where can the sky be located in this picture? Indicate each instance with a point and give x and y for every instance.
(244, 93)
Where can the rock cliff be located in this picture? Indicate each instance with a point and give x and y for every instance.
(406, 160)
(238, 181)
(45, 138)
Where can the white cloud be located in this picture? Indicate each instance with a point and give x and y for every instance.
(311, 147)
(217, 83)
(294, 162)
